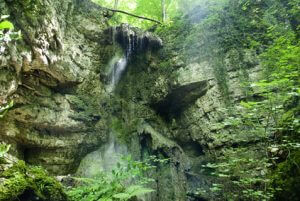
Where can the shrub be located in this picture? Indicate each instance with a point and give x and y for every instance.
(125, 182)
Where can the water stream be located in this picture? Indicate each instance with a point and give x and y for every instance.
(117, 67)
(118, 64)
(108, 155)
(102, 160)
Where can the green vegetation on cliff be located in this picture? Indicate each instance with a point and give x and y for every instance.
(264, 122)
(220, 99)
(125, 182)
(21, 182)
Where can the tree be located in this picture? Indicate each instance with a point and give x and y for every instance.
(116, 4)
(163, 10)
(140, 13)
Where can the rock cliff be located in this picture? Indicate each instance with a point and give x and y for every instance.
(56, 75)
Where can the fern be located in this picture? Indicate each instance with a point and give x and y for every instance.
(114, 186)
(132, 191)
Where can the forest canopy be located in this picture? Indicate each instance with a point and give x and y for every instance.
(161, 10)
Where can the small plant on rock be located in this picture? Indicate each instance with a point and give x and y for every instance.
(6, 33)
(125, 182)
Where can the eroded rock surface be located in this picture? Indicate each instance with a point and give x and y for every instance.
(54, 121)
(62, 110)
(134, 39)
(180, 98)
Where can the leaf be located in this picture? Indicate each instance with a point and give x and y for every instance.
(105, 199)
(137, 190)
(6, 25)
(122, 196)
(132, 191)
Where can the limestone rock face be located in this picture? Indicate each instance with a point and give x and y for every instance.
(179, 98)
(207, 110)
(62, 111)
(185, 104)
(52, 74)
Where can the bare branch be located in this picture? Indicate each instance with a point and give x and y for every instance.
(133, 15)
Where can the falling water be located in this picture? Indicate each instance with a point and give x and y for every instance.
(102, 160)
(117, 68)
(118, 64)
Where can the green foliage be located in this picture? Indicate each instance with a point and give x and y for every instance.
(282, 64)
(243, 171)
(271, 119)
(4, 148)
(151, 9)
(287, 178)
(132, 191)
(273, 124)
(230, 34)
(242, 175)
(6, 33)
(6, 25)
(125, 182)
(21, 181)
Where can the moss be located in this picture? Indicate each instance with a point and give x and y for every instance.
(13, 187)
(117, 125)
(26, 183)
(124, 129)
(31, 10)
(287, 177)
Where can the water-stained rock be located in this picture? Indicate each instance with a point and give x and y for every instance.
(135, 40)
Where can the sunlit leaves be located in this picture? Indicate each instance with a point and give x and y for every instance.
(6, 33)
(151, 9)
(6, 25)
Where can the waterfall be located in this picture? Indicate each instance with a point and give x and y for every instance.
(104, 159)
(133, 42)
(117, 68)
(118, 64)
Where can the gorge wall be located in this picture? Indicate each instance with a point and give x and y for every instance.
(54, 121)
(57, 76)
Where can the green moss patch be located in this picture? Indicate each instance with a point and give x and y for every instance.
(286, 178)
(24, 183)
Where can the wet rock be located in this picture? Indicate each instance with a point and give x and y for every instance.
(134, 39)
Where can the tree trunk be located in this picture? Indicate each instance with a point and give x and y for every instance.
(163, 10)
(116, 4)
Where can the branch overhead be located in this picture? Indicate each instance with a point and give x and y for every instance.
(133, 15)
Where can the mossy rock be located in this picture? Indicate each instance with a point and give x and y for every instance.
(287, 178)
(26, 183)
(290, 123)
